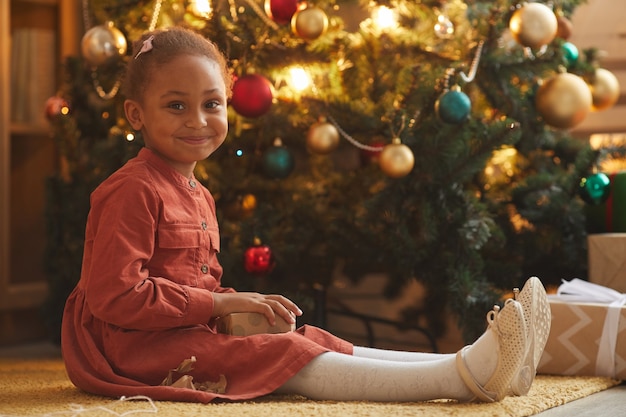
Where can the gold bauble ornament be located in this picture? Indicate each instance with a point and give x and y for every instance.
(248, 204)
(604, 89)
(241, 207)
(563, 100)
(322, 137)
(309, 23)
(533, 25)
(396, 159)
(102, 44)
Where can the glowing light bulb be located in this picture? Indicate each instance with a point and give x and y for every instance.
(201, 8)
(300, 79)
(384, 18)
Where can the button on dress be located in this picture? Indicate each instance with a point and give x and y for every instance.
(144, 300)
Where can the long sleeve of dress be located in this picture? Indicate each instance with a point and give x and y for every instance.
(130, 223)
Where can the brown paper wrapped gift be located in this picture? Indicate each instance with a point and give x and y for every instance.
(246, 324)
(607, 260)
(586, 338)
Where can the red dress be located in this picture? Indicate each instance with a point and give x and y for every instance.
(145, 297)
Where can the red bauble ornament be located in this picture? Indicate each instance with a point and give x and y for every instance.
(258, 259)
(56, 106)
(252, 95)
(281, 11)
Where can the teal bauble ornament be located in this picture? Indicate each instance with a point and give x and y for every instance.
(453, 106)
(278, 162)
(595, 188)
(570, 52)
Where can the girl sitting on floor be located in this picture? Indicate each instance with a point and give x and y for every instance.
(151, 289)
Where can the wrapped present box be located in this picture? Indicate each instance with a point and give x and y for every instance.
(609, 216)
(588, 332)
(247, 324)
(607, 260)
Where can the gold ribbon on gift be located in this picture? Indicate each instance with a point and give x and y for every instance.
(578, 290)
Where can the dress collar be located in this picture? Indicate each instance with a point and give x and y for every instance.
(166, 169)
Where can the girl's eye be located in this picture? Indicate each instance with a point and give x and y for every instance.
(211, 104)
(176, 106)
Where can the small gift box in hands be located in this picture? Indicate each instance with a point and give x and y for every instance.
(246, 324)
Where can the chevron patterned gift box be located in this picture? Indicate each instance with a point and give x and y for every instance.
(586, 337)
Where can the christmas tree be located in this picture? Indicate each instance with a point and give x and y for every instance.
(424, 139)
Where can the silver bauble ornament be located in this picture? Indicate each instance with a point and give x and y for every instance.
(103, 44)
(322, 137)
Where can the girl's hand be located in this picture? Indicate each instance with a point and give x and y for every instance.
(250, 302)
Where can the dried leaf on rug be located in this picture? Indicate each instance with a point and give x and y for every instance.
(179, 378)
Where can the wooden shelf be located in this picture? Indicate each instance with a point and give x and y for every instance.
(23, 129)
(38, 2)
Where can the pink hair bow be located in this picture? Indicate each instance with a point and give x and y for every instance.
(146, 47)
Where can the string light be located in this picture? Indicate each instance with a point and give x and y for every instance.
(384, 18)
(200, 8)
(300, 79)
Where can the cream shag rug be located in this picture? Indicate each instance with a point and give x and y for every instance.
(41, 388)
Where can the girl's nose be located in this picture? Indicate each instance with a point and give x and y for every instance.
(196, 120)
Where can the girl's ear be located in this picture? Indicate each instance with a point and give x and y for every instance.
(134, 115)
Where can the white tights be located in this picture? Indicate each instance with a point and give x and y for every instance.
(386, 375)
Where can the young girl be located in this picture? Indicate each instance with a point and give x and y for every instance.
(150, 288)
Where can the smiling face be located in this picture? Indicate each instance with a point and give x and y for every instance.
(182, 111)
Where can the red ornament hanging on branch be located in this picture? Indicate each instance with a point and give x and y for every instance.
(258, 259)
(56, 106)
(281, 11)
(252, 95)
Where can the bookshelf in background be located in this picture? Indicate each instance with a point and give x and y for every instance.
(35, 35)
